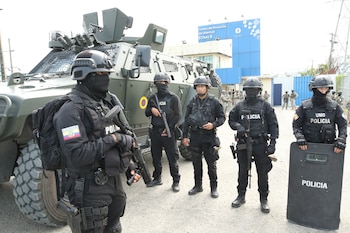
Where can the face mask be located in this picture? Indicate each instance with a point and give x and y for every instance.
(318, 98)
(162, 89)
(97, 84)
(251, 92)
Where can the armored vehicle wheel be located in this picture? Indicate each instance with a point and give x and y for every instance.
(35, 190)
(184, 151)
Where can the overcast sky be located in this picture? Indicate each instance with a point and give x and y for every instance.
(294, 33)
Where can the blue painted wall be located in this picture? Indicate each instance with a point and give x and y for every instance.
(245, 37)
(301, 86)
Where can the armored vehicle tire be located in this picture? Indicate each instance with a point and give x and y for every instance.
(184, 151)
(35, 190)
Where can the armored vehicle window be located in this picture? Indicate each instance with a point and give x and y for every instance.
(159, 37)
(170, 66)
(55, 62)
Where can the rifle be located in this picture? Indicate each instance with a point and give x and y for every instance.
(248, 145)
(117, 115)
(163, 115)
(233, 151)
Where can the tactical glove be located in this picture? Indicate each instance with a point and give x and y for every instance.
(125, 140)
(271, 148)
(301, 142)
(340, 143)
(241, 131)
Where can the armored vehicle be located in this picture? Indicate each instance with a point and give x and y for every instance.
(136, 60)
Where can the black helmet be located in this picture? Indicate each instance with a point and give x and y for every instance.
(321, 81)
(159, 77)
(90, 61)
(252, 82)
(202, 80)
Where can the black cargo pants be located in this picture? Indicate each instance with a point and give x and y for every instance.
(202, 144)
(263, 166)
(170, 146)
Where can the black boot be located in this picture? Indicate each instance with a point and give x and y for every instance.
(195, 190)
(264, 206)
(175, 187)
(240, 200)
(154, 182)
(214, 192)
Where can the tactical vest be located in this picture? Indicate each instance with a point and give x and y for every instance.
(164, 104)
(202, 112)
(319, 125)
(254, 116)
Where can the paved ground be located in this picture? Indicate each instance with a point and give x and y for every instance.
(159, 210)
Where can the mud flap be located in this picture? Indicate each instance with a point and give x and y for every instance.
(315, 185)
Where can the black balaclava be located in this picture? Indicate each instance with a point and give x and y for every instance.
(162, 89)
(251, 94)
(318, 98)
(97, 85)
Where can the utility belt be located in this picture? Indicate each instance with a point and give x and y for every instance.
(256, 140)
(200, 130)
(99, 176)
(158, 128)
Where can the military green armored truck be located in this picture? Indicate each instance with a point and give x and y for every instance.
(136, 60)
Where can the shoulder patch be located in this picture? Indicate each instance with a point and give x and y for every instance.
(71, 132)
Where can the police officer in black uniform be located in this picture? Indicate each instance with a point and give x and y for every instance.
(92, 146)
(203, 115)
(317, 119)
(254, 118)
(169, 104)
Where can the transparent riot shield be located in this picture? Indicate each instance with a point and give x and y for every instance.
(315, 185)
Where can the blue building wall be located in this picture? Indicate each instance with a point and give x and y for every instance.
(245, 36)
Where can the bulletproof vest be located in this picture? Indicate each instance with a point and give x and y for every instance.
(319, 125)
(202, 111)
(164, 104)
(253, 117)
(98, 126)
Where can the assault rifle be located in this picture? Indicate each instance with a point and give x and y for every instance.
(163, 115)
(248, 145)
(117, 115)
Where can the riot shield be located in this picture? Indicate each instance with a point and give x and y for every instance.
(315, 185)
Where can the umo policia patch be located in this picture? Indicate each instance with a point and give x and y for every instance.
(71, 132)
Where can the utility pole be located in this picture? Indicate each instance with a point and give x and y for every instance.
(10, 51)
(2, 65)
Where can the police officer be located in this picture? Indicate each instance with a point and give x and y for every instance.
(256, 119)
(92, 146)
(203, 115)
(164, 102)
(317, 119)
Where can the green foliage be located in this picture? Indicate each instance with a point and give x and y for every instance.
(322, 69)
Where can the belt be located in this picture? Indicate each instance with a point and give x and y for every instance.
(200, 130)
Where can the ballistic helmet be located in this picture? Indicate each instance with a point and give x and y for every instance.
(202, 80)
(90, 61)
(253, 82)
(321, 81)
(161, 77)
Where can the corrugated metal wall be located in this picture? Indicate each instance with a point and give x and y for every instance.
(301, 87)
(285, 84)
(300, 84)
